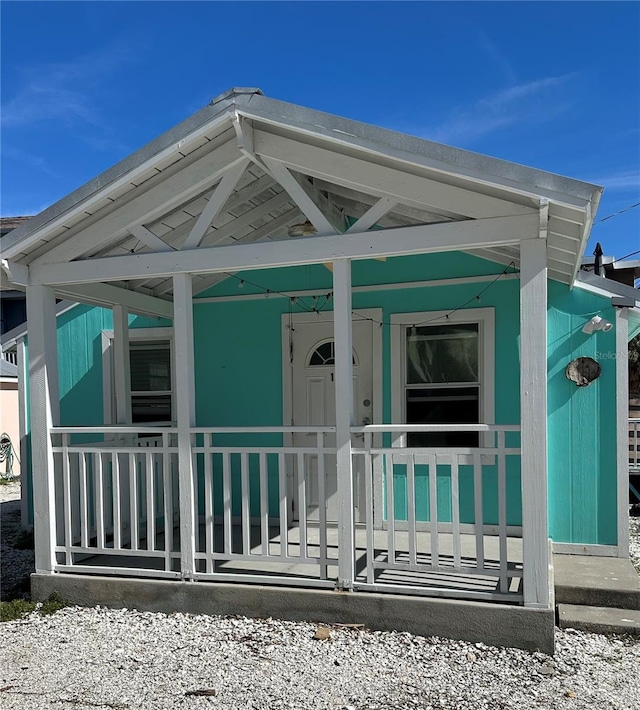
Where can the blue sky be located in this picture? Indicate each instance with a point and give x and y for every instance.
(552, 85)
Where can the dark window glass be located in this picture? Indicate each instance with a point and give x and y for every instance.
(442, 354)
(150, 409)
(442, 385)
(151, 389)
(444, 405)
(324, 354)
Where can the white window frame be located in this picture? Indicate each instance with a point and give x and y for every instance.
(485, 320)
(136, 335)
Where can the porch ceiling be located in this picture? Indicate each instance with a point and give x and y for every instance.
(246, 168)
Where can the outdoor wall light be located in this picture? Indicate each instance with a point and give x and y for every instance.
(595, 324)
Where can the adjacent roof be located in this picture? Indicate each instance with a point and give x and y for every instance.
(260, 209)
(7, 224)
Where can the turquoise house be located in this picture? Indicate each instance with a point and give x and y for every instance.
(309, 353)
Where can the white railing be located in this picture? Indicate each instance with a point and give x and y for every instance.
(253, 504)
(440, 513)
(116, 497)
(428, 520)
(634, 445)
(10, 356)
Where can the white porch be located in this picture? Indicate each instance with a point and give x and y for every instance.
(113, 498)
(229, 191)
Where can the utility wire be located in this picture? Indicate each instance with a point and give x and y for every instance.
(615, 214)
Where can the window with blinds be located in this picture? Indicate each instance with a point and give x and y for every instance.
(151, 382)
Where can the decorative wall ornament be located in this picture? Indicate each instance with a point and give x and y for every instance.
(583, 371)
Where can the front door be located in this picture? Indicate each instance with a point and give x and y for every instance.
(313, 402)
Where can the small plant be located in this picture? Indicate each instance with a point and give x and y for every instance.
(54, 603)
(15, 609)
(19, 608)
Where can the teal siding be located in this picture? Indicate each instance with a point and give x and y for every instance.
(582, 423)
(238, 362)
(239, 357)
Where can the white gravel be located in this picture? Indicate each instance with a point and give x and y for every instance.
(634, 541)
(127, 659)
(87, 658)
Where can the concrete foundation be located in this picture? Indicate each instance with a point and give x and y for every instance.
(494, 624)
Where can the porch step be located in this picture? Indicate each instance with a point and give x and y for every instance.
(596, 582)
(599, 619)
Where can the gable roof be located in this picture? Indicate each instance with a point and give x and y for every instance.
(348, 164)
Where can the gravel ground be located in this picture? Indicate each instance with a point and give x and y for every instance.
(634, 541)
(15, 565)
(87, 658)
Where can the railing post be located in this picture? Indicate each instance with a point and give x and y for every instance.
(533, 416)
(186, 413)
(622, 405)
(45, 408)
(344, 418)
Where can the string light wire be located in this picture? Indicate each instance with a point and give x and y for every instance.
(319, 307)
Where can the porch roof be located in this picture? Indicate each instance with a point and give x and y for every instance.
(245, 168)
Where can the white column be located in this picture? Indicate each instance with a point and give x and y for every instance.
(45, 413)
(122, 364)
(342, 326)
(622, 415)
(186, 412)
(533, 420)
(25, 486)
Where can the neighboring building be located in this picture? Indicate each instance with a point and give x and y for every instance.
(347, 369)
(13, 309)
(9, 419)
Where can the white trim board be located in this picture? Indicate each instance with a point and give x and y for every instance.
(622, 426)
(135, 335)
(455, 281)
(485, 318)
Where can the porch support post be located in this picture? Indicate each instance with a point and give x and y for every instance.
(622, 414)
(533, 420)
(344, 418)
(186, 413)
(45, 413)
(122, 364)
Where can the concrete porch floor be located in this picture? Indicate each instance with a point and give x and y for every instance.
(442, 583)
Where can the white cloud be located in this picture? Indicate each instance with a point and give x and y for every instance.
(36, 162)
(502, 62)
(621, 180)
(67, 91)
(526, 102)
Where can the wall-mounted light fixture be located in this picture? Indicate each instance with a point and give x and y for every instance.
(595, 324)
